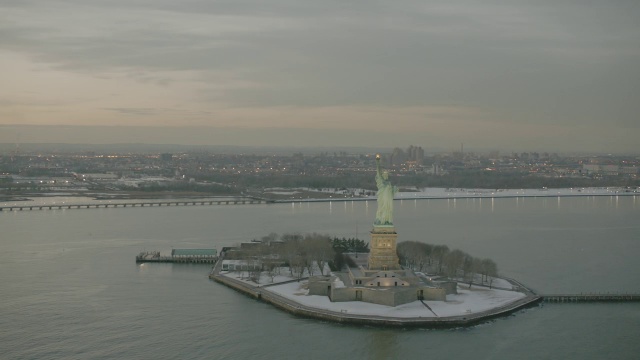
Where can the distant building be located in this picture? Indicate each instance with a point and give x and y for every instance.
(97, 177)
(415, 153)
(241, 265)
(629, 170)
(253, 245)
(611, 170)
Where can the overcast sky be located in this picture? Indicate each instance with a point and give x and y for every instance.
(512, 75)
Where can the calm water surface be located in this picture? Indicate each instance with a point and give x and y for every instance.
(71, 289)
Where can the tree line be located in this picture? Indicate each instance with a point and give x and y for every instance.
(310, 254)
(456, 179)
(440, 260)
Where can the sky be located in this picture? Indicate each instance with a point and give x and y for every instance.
(543, 75)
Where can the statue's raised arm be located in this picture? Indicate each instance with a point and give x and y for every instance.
(386, 191)
(379, 179)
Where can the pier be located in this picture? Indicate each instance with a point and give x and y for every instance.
(185, 256)
(575, 298)
(132, 204)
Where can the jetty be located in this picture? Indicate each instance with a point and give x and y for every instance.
(185, 256)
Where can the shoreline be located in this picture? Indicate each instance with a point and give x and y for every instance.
(425, 194)
(301, 310)
(462, 197)
(264, 294)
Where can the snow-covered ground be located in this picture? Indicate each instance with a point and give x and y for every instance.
(283, 276)
(348, 194)
(264, 278)
(497, 282)
(467, 301)
(493, 282)
(283, 192)
(453, 193)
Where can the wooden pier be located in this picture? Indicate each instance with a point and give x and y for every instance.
(131, 204)
(575, 298)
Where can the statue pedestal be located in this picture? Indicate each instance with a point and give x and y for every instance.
(383, 254)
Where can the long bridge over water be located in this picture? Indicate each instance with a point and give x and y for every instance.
(132, 204)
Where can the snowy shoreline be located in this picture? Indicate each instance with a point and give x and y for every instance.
(456, 192)
(333, 195)
(460, 193)
(469, 307)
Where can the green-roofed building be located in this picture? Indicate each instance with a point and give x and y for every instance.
(195, 253)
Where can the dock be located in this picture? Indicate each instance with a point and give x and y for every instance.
(184, 256)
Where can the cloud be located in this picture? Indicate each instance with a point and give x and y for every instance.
(137, 111)
(219, 63)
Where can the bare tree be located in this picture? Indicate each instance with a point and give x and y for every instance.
(489, 269)
(467, 265)
(406, 251)
(295, 254)
(454, 262)
(272, 266)
(439, 254)
(414, 255)
(254, 270)
(419, 256)
(472, 266)
(288, 237)
(297, 264)
(319, 250)
(423, 255)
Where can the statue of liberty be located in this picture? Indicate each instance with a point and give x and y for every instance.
(386, 191)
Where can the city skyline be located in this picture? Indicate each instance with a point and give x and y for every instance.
(556, 76)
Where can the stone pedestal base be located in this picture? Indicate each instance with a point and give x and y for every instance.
(383, 254)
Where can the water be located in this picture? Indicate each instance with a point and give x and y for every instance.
(70, 287)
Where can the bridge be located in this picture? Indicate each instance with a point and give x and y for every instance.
(132, 204)
(574, 298)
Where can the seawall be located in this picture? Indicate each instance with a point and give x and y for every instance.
(295, 308)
